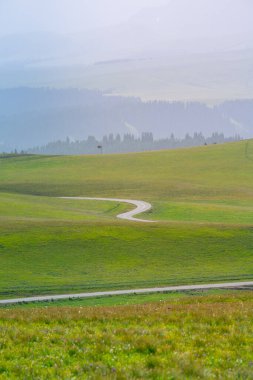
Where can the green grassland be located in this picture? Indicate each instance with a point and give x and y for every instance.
(202, 198)
(187, 338)
(34, 208)
(203, 203)
(49, 257)
(221, 172)
(205, 211)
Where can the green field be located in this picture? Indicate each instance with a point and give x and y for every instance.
(202, 198)
(186, 338)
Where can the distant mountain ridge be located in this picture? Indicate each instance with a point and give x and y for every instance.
(32, 117)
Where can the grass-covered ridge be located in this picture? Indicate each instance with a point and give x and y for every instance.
(193, 338)
(203, 197)
(206, 184)
(210, 172)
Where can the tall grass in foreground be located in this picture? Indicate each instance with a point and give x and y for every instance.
(194, 338)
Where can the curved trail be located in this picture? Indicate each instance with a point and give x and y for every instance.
(230, 285)
(141, 207)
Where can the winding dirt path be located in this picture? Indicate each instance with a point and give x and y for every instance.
(141, 207)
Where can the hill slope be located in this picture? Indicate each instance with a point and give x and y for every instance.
(204, 197)
(206, 172)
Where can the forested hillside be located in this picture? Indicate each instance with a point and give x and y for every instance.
(32, 117)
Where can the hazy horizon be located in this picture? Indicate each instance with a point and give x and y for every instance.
(66, 16)
(156, 50)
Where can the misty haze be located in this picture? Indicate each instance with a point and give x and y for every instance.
(166, 51)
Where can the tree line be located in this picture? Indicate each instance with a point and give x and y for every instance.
(128, 143)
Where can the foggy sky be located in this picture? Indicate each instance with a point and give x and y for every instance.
(66, 16)
(173, 49)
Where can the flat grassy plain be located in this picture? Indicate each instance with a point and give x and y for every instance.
(203, 198)
(188, 338)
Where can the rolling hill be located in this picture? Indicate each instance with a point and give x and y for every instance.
(202, 197)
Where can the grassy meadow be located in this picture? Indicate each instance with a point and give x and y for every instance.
(202, 199)
(186, 338)
(203, 203)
